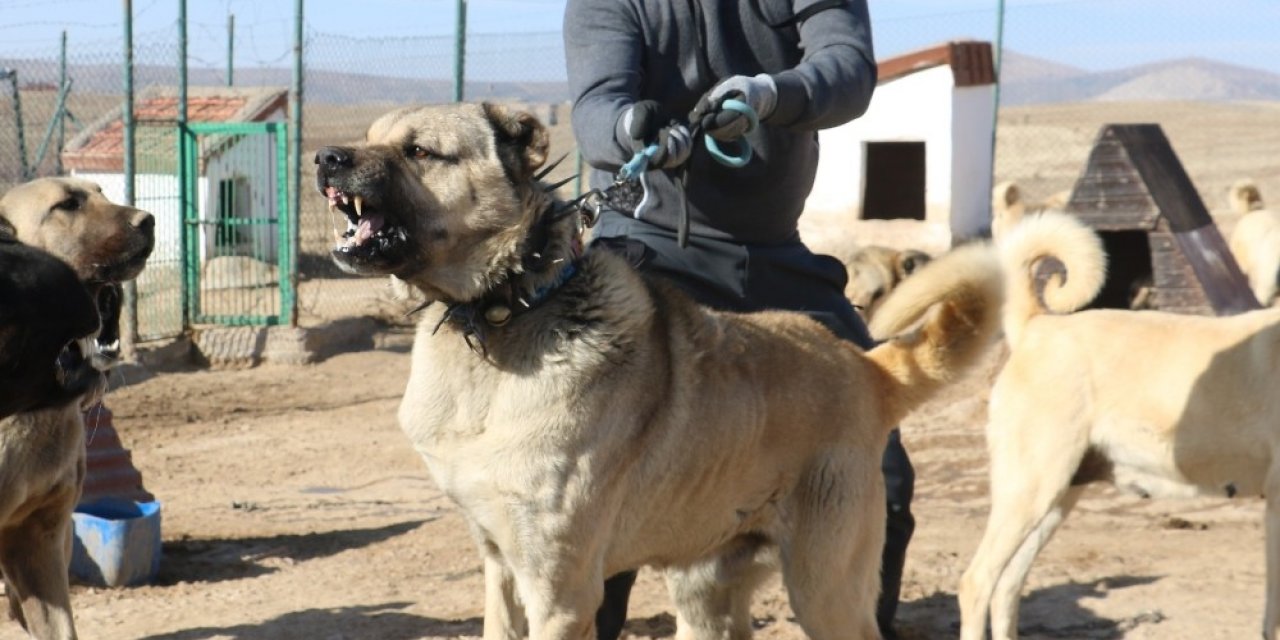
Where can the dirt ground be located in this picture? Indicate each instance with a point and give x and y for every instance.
(293, 507)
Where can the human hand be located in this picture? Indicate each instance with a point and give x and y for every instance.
(647, 122)
(758, 92)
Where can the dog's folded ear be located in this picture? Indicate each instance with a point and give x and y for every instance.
(521, 133)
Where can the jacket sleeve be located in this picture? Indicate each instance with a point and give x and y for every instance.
(603, 43)
(837, 74)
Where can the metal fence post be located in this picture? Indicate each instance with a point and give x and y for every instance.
(231, 48)
(129, 314)
(460, 53)
(188, 233)
(295, 116)
(62, 88)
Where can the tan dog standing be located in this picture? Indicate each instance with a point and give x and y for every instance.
(1255, 240)
(1196, 414)
(587, 419)
(42, 452)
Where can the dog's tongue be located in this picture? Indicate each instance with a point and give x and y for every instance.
(370, 223)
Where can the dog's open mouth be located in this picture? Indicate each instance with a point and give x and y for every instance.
(371, 235)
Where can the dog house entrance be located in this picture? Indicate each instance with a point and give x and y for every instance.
(894, 181)
(1128, 269)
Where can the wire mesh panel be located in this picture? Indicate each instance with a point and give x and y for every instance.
(238, 257)
(156, 191)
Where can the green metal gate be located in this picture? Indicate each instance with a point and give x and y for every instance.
(239, 261)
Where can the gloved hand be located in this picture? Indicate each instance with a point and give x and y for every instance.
(648, 122)
(758, 92)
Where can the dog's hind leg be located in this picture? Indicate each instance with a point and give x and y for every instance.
(1005, 600)
(35, 564)
(831, 557)
(713, 597)
(1028, 484)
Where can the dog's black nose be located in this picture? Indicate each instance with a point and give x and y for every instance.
(144, 221)
(334, 157)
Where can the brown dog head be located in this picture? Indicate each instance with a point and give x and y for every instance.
(441, 196)
(876, 271)
(104, 243)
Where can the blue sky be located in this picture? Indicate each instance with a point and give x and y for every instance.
(1093, 34)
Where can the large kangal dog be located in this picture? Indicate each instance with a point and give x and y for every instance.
(42, 451)
(587, 419)
(1156, 403)
(1255, 240)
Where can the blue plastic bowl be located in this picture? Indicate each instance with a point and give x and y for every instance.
(117, 542)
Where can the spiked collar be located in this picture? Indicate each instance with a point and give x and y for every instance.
(507, 300)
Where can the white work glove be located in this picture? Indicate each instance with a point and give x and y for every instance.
(758, 92)
(648, 122)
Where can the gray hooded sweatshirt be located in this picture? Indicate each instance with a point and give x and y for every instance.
(674, 51)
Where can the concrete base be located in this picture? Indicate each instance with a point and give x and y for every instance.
(238, 347)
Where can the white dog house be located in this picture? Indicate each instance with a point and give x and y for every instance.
(922, 151)
(224, 187)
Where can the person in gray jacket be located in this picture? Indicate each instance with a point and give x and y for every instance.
(637, 70)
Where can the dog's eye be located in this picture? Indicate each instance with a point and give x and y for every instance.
(419, 152)
(70, 204)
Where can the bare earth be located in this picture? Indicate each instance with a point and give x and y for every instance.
(295, 508)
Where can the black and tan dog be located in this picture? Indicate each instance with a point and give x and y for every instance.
(46, 321)
(587, 419)
(42, 450)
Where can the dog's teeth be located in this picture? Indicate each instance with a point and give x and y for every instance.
(346, 199)
(359, 206)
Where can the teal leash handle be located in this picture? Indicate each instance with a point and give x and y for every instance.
(637, 164)
(713, 145)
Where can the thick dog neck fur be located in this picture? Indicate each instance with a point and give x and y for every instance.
(547, 257)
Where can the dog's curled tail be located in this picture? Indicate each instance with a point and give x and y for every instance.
(1054, 263)
(936, 324)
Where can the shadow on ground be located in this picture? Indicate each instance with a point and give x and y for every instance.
(196, 560)
(385, 622)
(1051, 612)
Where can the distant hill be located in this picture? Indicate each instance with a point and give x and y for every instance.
(1029, 80)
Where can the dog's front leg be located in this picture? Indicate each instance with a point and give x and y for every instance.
(561, 598)
(35, 566)
(504, 617)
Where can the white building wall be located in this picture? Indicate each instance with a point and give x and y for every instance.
(914, 108)
(971, 163)
(251, 160)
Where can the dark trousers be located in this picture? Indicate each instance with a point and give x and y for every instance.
(733, 277)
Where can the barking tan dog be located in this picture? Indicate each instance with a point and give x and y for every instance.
(1255, 240)
(42, 452)
(588, 420)
(1195, 414)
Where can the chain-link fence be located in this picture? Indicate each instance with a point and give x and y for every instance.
(1063, 77)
